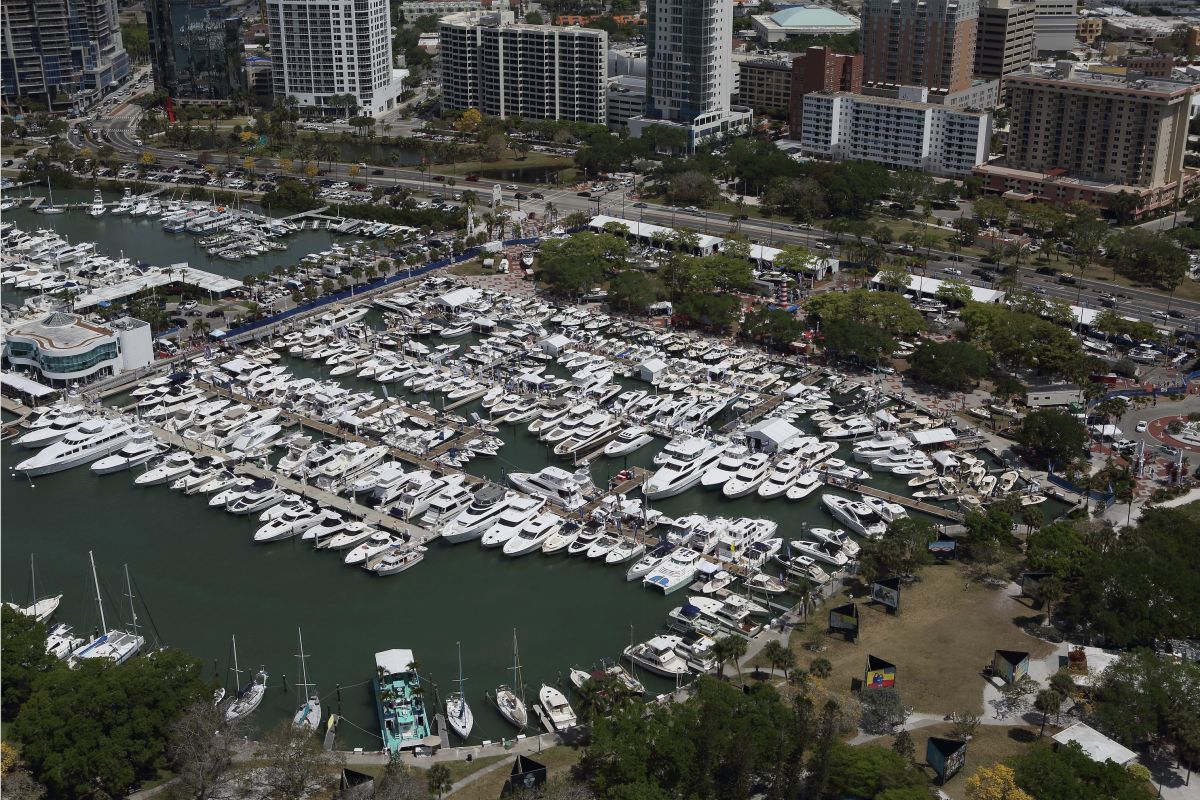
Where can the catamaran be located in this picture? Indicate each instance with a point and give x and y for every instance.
(458, 713)
(115, 645)
(399, 699)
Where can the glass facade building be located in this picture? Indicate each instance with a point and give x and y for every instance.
(196, 49)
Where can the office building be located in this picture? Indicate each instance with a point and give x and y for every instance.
(196, 49)
(62, 53)
(900, 133)
(1004, 40)
(411, 9)
(689, 70)
(321, 52)
(796, 21)
(1054, 26)
(505, 68)
(65, 349)
(927, 43)
(1078, 135)
(819, 69)
(1088, 29)
(764, 83)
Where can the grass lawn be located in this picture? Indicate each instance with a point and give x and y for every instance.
(472, 267)
(1188, 289)
(558, 761)
(989, 745)
(939, 642)
(533, 160)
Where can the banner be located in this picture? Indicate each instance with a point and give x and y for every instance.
(887, 592)
(879, 674)
(946, 756)
(845, 619)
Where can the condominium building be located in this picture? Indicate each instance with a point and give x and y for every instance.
(62, 53)
(505, 68)
(819, 69)
(764, 83)
(1078, 135)
(322, 52)
(927, 43)
(196, 49)
(626, 99)
(690, 70)
(904, 133)
(1004, 40)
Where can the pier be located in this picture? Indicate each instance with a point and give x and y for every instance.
(908, 502)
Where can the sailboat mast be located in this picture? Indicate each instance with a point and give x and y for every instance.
(460, 675)
(99, 602)
(516, 667)
(33, 579)
(129, 590)
(237, 672)
(303, 661)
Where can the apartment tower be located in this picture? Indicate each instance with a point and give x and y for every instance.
(820, 69)
(505, 68)
(924, 43)
(1004, 42)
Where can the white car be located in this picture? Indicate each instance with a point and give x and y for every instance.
(181, 155)
(952, 271)
(1142, 426)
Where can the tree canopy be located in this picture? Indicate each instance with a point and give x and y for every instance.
(886, 311)
(948, 365)
(1052, 435)
(575, 264)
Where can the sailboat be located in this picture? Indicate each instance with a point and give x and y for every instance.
(248, 698)
(458, 713)
(49, 208)
(116, 645)
(511, 702)
(309, 714)
(42, 608)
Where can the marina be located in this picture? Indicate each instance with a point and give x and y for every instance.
(352, 425)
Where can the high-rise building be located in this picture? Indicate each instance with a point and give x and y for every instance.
(764, 83)
(1055, 24)
(505, 68)
(323, 52)
(689, 66)
(904, 132)
(1004, 42)
(62, 53)
(196, 49)
(819, 69)
(1078, 135)
(927, 43)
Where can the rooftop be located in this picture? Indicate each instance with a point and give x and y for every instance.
(61, 331)
(1095, 744)
(813, 17)
(1067, 74)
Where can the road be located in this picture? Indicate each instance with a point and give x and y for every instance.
(121, 131)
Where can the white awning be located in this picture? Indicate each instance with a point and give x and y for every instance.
(25, 385)
(394, 661)
(1095, 744)
(932, 436)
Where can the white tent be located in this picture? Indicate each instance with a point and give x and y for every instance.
(651, 369)
(1095, 744)
(553, 345)
(772, 433)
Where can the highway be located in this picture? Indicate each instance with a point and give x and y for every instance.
(121, 131)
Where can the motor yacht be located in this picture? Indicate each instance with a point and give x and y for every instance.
(262, 495)
(781, 478)
(658, 655)
(629, 441)
(555, 711)
(805, 484)
(142, 448)
(395, 560)
(885, 510)
(839, 538)
(330, 524)
(173, 466)
(674, 572)
(287, 525)
(375, 544)
(805, 567)
(754, 470)
(594, 430)
(626, 549)
(855, 516)
(583, 541)
(89, 441)
(731, 616)
(728, 465)
(97, 208)
(908, 463)
(520, 510)
(533, 534)
(766, 583)
(348, 537)
(644, 565)
(447, 503)
(602, 547)
(684, 470)
(485, 509)
(416, 494)
(561, 540)
(884, 443)
(823, 551)
(567, 490)
(54, 428)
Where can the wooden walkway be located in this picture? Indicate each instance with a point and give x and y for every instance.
(908, 502)
(760, 410)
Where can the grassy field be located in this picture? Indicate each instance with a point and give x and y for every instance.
(939, 642)
(1188, 290)
(989, 745)
(533, 160)
(558, 761)
(472, 267)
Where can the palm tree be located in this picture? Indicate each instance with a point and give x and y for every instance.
(821, 668)
(774, 653)
(1048, 701)
(734, 649)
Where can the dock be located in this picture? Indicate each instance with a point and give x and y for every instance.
(908, 502)
(760, 410)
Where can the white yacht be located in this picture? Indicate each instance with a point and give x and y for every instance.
(626, 549)
(91, 441)
(684, 470)
(887, 511)
(167, 470)
(419, 491)
(884, 443)
(555, 711)
(564, 489)
(597, 429)
(520, 510)
(348, 538)
(560, 541)
(396, 560)
(447, 503)
(731, 461)
(485, 509)
(658, 656)
(855, 516)
(141, 449)
(839, 538)
(97, 208)
(54, 429)
(754, 470)
(628, 441)
(781, 478)
(824, 551)
(290, 524)
(674, 572)
(533, 534)
(375, 544)
(908, 463)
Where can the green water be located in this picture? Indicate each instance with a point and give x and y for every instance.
(143, 239)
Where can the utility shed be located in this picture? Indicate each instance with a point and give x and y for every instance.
(771, 433)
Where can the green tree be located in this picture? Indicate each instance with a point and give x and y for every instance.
(23, 653)
(1050, 435)
(1048, 701)
(904, 747)
(573, 265)
(870, 772)
(882, 709)
(948, 365)
(438, 776)
(902, 551)
(1068, 773)
(78, 746)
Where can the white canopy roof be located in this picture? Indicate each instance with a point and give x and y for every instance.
(774, 430)
(25, 385)
(1097, 746)
(459, 297)
(394, 661)
(932, 436)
